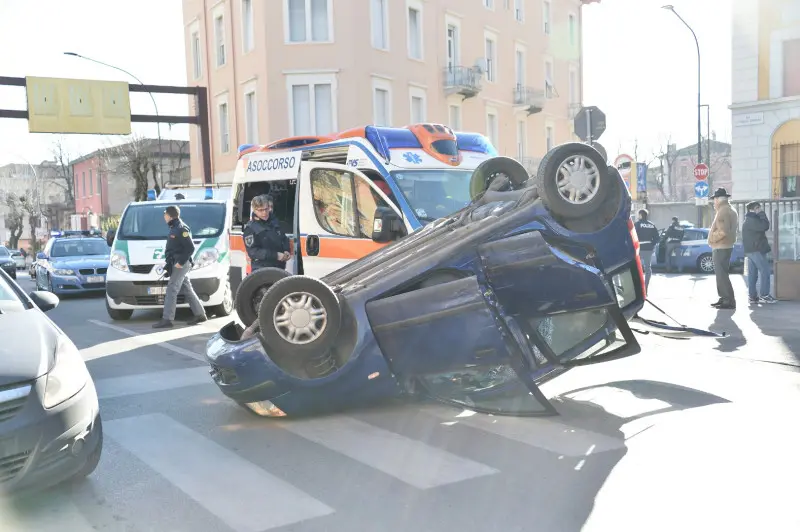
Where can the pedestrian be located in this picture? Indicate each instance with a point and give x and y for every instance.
(674, 237)
(178, 254)
(647, 233)
(266, 244)
(721, 238)
(756, 247)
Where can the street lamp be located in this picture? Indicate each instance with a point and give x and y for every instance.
(158, 124)
(699, 127)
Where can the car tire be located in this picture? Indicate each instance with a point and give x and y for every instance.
(308, 297)
(705, 263)
(252, 290)
(488, 170)
(226, 307)
(118, 314)
(607, 211)
(592, 172)
(94, 458)
(50, 285)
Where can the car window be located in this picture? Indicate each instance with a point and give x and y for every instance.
(4, 252)
(692, 234)
(367, 200)
(79, 248)
(146, 222)
(332, 192)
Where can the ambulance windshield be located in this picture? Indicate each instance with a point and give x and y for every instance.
(146, 221)
(434, 194)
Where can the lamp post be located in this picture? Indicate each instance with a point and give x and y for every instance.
(158, 124)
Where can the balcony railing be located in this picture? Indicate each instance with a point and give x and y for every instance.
(529, 98)
(462, 80)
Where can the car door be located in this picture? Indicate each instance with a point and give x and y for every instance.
(336, 211)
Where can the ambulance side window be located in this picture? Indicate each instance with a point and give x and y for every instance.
(367, 200)
(332, 192)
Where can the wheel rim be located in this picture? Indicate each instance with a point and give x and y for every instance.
(707, 264)
(227, 300)
(578, 180)
(300, 318)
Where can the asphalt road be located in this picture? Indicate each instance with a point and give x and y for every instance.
(689, 435)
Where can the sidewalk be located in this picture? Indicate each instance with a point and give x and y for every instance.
(768, 332)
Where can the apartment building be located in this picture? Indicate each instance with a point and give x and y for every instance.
(510, 69)
(766, 98)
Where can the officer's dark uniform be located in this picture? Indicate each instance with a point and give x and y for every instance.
(674, 237)
(263, 240)
(647, 233)
(179, 250)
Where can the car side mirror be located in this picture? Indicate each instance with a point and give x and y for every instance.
(386, 225)
(41, 255)
(44, 300)
(110, 236)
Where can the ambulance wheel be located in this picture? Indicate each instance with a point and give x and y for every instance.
(495, 168)
(573, 180)
(607, 211)
(226, 307)
(252, 290)
(118, 314)
(299, 317)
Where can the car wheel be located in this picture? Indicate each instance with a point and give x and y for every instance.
(226, 307)
(50, 285)
(607, 211)
(573, 180)
(252, 290)
(495, 168)
(299, 316)
(705, 263)
(94, 458)
(118, 314)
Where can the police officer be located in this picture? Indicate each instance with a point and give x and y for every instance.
(674, 236)
(267, 245)
(647, 233)
(178, 254)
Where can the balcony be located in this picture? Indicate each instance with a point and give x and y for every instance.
(465, 81)
(529, 99)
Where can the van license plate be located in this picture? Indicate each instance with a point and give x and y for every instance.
(95, 279)
(157, 290)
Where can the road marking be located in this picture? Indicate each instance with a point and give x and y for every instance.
(241, 494)
(52, 512)
(157, 381)
(541, 433)
(410, 461)
(139, 339)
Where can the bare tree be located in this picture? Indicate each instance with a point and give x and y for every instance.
(15, 219)
(64, 176)
(136, 159)
(30, 207)
(716, 159)
(667, 156)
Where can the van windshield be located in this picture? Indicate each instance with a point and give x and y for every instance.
(146, 222)
(434, 194)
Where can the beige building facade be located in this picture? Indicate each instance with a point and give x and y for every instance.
(510, 69)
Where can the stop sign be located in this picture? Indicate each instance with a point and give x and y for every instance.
(701, 172)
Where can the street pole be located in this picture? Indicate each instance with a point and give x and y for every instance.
(699, 108)
(708, 140)
(158, 124)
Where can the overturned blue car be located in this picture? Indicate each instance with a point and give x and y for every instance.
(534, 277)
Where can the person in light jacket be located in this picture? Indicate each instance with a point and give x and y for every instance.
(756, 247)
(721, 238)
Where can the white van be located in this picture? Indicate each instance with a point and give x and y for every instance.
(135, 278)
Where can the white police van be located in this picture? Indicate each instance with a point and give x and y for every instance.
(135, 278)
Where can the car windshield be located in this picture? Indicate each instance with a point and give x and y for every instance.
(434, 194)
(146, 222)
(79, 247)
(3, 252)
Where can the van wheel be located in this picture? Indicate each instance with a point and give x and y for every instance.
(226, 307)
(252, 290)
(118, 314)
(495, 168)
(299, 316)
(607, 211)
(573, 180)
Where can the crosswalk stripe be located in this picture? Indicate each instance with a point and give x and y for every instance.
(244, 496)
(137, 339)
(410, 461)
(536, 432)
(59, 514)
(157, 381)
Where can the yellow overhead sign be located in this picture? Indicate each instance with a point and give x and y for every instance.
(58, 105)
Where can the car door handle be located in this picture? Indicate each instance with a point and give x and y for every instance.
(312, 245)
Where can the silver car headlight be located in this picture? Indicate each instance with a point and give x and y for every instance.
(60, 271)
(119, 261)
(207, 257)
(68, 376)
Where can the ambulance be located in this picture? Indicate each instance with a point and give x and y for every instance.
(135, 278)
(327, 190)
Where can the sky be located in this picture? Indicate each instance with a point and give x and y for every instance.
(640, 66)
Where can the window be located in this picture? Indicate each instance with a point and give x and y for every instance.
(83, 184)
(453, 51)
(248, 41)
(546, 17)
(312, 105)
(146, 221)
(488, 4)
(549, 136)
(332, 193)
(80, 247)
(250, 116)
(415, 32)
(224, 128)
(219, 39)
(197, 55)
(519, 10)
(381, 103)
(491, 58)
(100, 187)
(309, 20)
(573, 86)
(492, 126)
(380, 25)
(572, 30)
(520, 67)
(791, 74)
(522, 138)
(367, 201)
(548, 78)
(91, 183)
(454, 116)
(418, 105)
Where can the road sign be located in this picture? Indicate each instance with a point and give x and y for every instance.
(58, 105)
(701, 189)
(701, 172)
(590, 123)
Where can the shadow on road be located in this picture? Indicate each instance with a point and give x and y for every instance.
(723, 322)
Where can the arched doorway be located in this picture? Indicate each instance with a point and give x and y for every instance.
(786, 160)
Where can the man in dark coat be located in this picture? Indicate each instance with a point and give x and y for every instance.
(647, 233)
(674, 236)
(266, 244)
(756, 247)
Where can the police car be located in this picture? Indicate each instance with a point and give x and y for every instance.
(72, 262)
